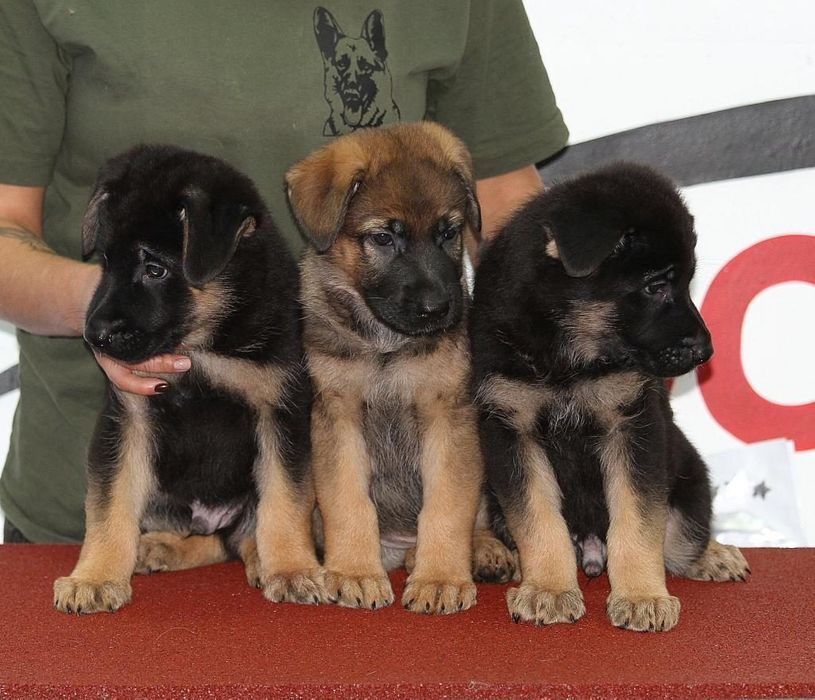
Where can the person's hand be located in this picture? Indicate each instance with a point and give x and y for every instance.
(137, 379)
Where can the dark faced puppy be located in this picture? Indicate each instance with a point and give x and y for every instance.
(191, 259)
(581, 307)
(394, 436)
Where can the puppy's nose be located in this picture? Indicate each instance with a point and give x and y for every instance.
(100, 335)
(700, 346)
(432, 308)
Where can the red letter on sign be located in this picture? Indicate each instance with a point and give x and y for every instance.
(728, 394)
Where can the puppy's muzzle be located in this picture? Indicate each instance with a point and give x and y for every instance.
(689, 352)
(112, 338)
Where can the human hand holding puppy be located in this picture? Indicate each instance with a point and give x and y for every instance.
(143, 378)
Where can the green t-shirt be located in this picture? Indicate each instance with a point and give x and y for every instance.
(258, 83)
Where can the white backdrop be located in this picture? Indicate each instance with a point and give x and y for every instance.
(616, 66)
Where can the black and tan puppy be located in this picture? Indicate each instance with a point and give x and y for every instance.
(581, 307)
(192, 260)
(394, 435)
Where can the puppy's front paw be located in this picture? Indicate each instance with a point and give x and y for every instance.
(76, 595)
(371, 591)
(544, 607)
(439, 597)
(492, 561)
(306, 586)
(657, 614)
(157, 553)
(719, 562)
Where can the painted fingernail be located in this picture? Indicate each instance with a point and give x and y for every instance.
(182, 364)
(161, 388)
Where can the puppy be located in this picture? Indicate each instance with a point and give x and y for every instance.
(358, 84)
(394, 436)
(581, 308)
(191, 259)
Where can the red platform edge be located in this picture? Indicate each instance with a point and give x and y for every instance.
(205, 633)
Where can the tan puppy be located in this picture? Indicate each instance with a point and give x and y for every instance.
(396, 457)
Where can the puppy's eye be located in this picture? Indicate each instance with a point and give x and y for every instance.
(450, 232)
(657, 287)
(154, 271)
(382, 238)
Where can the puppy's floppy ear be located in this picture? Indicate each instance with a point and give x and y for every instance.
(373, 31)
(91, 221)
(320, 188)
(473, 212)
(584, 238)
(212, 230)
(327, 32)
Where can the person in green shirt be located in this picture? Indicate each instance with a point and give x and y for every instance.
(257, 83)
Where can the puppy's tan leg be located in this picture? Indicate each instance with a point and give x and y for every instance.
(492, 562)
(354, 575)
(689, 553)
(719, 562)
(639, 599)
(101, 579)
(549, 591)
(175, 551)
(248, 552)
(452, 473)
(288, 566)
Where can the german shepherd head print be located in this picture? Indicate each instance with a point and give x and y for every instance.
(358, 84)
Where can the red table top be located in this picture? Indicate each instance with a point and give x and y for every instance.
(205, 633)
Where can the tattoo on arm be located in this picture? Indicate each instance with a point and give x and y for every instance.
(26, 238)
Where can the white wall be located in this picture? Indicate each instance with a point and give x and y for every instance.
(619, 65)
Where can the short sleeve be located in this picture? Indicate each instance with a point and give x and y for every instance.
(33, 83)
(499, 100)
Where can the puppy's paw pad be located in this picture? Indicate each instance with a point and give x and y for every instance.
(529, 603)
(307, 586)
(720, 562)
(371, 591)
(76, 595)
(493, 562)
(657, 614)
(438, 597)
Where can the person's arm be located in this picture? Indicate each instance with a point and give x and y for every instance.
(40, 291)
(48, 294)
(499, 197)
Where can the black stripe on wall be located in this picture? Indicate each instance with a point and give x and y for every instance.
(755, 139)
(9, 380)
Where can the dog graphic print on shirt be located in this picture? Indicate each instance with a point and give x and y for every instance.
(358, 84)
